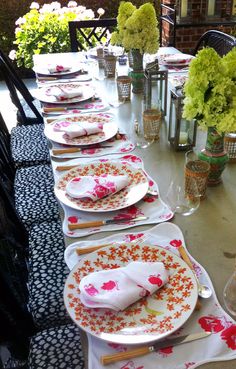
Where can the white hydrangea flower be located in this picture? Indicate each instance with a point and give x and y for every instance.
(56, 5)
(12, 54)
(34, 5)
(20, 21)
(100, 11)
(72, 4)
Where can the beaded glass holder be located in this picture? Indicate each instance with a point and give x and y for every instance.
(199, 170)
(230, 146)
(124, 88)
(151, 123)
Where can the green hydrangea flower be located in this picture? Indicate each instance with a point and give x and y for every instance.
(137, 28)
(210, 91)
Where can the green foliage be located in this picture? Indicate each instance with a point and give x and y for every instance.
(45, 30)
(210, 91)
(137, 28)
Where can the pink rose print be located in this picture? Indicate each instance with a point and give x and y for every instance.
(131, 365)
(166, 216)
(132, 237)
(149, 198)
(132, 158)
(155, 279)
(229, 335)
(188, 365)
(75, 111)
(125, 149)
(211, 324)
(91, 290)
(88, 106)
(166, 351)
(143, 292)
(117, 346)
(76, 179)
(90, 151)
(130, 212)
(176, 243)
(73, 219)
(108, 286)
(151, 183)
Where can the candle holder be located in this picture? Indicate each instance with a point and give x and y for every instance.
(152, 73)
(182, 133)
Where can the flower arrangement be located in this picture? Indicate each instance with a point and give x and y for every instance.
(45, 30)
(137, 28)
(210, 91)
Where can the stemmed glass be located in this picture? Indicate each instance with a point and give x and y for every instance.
(229, 293)
(182, 197)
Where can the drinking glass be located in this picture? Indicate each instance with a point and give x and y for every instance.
(182, 199)
(229, 293)
(140, 139)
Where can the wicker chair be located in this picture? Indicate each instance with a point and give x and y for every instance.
(221, 42)
(96, 31)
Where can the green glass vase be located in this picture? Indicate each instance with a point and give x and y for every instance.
(215, 155)
(137, 74)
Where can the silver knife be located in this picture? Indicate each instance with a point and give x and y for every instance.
(143, 350)
(99, 223)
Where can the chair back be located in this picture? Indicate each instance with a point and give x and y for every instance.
(90, 32)
(221, 42)
(14, 83)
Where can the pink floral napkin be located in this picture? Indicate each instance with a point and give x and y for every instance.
(58, 68)
(63, 93)
(151, 206)
(95, 187)
(219, 346)
(78, 129)
(116, 289)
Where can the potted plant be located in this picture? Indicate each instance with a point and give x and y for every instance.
(210, 98)
(137, 31)
(45, 30)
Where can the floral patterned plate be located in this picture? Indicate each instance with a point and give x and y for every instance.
(43, 93)
(151, 318)
(135, 191)
(39, 69)
(109, 129)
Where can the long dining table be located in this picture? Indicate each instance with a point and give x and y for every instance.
(209, 233)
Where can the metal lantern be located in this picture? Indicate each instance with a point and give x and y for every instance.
(156, 97)
(182, 133)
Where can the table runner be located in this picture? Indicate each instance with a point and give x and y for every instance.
(150, 206)
(220, 345)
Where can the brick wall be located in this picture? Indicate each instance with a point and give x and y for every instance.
(189, 29)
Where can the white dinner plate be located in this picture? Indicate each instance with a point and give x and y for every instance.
(149, 319)
(135, 191)
(42, 94)
(177, 60)
(109, 130)
(39, 69)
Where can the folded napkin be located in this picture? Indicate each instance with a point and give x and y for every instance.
(95, 187)
(118, 288)
(77, 129)
(58, 68)
(178, 58)
(63, 93)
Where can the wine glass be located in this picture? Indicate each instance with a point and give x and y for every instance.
(229, 293)
(181, 197)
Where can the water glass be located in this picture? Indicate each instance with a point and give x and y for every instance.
(182, 199)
